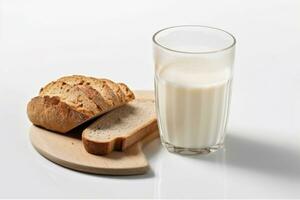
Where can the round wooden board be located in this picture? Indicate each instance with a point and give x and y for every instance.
(68, 151)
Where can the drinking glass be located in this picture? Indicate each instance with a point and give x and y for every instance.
(193, 76)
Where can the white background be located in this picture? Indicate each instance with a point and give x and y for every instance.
(43, 40)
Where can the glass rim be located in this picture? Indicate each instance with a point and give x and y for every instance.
(155, 41)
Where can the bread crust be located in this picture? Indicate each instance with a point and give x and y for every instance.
(53, 114)
(58, 113)
(129, 95)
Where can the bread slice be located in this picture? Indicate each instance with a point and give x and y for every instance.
(120, 128)
(70, 101)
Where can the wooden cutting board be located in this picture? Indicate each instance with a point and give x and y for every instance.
(68, 151)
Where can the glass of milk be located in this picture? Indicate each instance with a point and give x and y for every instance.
(193, 75)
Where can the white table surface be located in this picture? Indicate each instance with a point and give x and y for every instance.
(42, 40)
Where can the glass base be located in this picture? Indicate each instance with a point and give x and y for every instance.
(191, 151)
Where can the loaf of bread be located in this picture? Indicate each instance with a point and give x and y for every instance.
(72, 100)
(120, 128)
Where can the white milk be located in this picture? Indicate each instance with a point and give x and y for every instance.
(192, 104)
